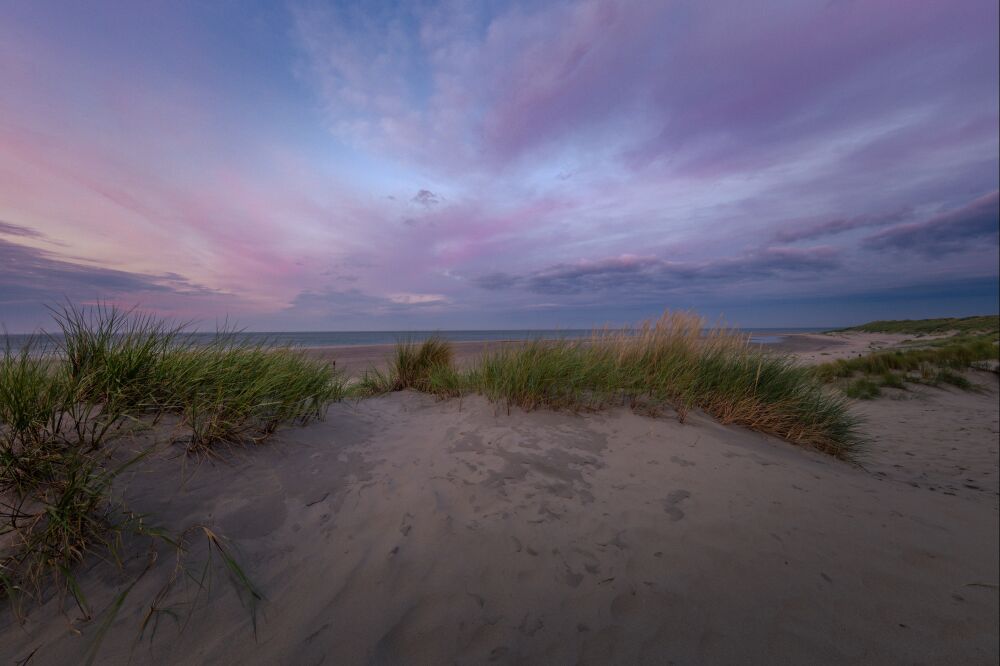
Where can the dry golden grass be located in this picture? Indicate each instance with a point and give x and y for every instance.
(673, 361)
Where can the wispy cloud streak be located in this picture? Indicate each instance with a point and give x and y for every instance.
(947, 233)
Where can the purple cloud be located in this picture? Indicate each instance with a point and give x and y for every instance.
(31, 279)
(17, 230)
(947, 233)
(628, 274)
(838, 226)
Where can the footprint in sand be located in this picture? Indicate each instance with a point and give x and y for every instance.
(671, 502)
(530, 628)
(405, 526)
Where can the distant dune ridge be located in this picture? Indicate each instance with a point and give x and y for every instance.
(429, 519)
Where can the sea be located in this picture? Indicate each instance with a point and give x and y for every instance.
(43, 343)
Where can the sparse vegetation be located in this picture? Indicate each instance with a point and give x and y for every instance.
(862, 389)
(980, 324)
(667, 363)
(932, 362)
(413, 366)
(956, 355)
(63, 415)
(952, 378)
(230, 393)
(116, 372)
(892, 380)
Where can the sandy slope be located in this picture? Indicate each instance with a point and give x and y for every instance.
(406, 530)
(943, 441)
(814, 348)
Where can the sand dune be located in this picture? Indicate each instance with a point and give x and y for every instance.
(807, 347)
(404, 530)
(812, 348)
(353, 360)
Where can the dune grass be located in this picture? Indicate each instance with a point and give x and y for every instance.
(971, 343)
(63, 416)
(965, 325)
(862, 388)
(956, 355)
(670, 362)
(227, 392)
(224, 391)
(412, 366)
(936, 363)
(113, 354)
(53, 487)
(33, 394)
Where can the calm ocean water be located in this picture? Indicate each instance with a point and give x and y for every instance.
(353, 338)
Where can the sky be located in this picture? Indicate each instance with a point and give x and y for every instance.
(469, 165)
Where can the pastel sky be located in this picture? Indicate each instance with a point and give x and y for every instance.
(378, 165)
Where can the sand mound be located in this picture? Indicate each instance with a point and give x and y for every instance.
(407, 530)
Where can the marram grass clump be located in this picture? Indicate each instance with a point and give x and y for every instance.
(671, 362)
(63, 415)
(226, 392)
(674, 361)
(412, 366)
(113, 354)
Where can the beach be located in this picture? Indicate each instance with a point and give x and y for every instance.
(812, 348)
(576, 332)
(409, 529)
(354, 360)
